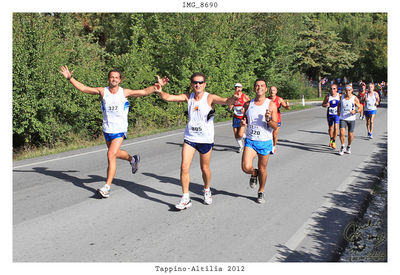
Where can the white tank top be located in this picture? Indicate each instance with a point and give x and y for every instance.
(370, 102)
(115, 109)
(346, 106)
(257, 127)
(199, 129)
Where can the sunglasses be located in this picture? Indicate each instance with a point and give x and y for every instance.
(197, 82)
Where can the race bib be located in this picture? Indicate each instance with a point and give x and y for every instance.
(333, 110)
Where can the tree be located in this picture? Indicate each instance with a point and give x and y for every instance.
(321, 52)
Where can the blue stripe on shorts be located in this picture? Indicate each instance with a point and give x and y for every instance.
(261, 147)
(110, 137)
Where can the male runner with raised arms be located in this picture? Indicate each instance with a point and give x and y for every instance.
(199, 133)
(331, 102)
(273, 91)
(238, 114)
(261, 119)
(115, 107)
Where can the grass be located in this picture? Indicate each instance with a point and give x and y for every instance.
(79, 143)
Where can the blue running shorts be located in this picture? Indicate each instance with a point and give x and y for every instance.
(369, 113)
(333, 119)
(203, 148)
(110, 137)
(261, 147)
(236, 122)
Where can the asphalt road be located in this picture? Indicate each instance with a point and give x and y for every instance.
(312, 193)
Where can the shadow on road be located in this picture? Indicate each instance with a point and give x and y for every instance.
(196, 188)
(305, 146)
(138, 189)
(330, 224)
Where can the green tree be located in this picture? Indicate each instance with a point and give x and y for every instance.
(321, 52)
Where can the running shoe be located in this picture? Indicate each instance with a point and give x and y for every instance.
(207, 197)
(135, 165)
(240, 150)
(184, 203)
(261, 197)
(333, 145)
(348, 150)
(330, 143)
(253, 180)
(274, 150)
(341, 151)
(104, 191)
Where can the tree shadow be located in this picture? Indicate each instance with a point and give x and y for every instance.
(330, 224)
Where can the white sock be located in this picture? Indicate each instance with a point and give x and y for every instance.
(207, 190)
(107, 186)
(240, 142)
(185, 196)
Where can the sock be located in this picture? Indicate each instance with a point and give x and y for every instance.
(240, 142)
(133, 160)
(185, 195)
(107, 186)
(207, 190)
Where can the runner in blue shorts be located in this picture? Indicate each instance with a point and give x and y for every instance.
(331, 102)
(259, 137)
(115, 107)
(371, 100)
(199, 133)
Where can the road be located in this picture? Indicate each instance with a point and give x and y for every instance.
(312, 193)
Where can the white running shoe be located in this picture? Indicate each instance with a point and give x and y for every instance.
(184, 203)
(207, 197)
(341, 151)
(348, 150)
(104, 191)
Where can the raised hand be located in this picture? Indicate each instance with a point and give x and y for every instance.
(162, 81)
(65, 72)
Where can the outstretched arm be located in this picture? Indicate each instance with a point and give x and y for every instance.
(215, 99)
(149, 90)
(81, 87)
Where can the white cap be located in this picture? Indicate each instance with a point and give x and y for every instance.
(238, 85)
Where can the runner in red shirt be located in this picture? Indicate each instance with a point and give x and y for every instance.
(238, 114)
(361, 95)
(279, 102)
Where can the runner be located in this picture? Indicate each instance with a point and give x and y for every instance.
(115, 107)
(261, 119)
(347, 116)
(273, 91)
(361, 99)
(199, 133)
(238, 114)
(371, 101)
(331, 102)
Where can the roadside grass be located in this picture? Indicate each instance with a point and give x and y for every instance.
(77, 142)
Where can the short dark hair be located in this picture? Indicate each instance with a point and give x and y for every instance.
(115, 71)
(198, 74)
(260, 79)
